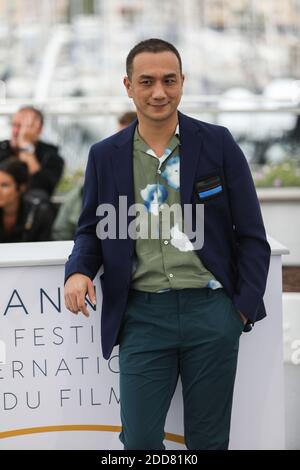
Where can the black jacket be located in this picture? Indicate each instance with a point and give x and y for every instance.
(34, 221)
(51, 165)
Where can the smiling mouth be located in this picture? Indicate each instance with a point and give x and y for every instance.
(159, 105)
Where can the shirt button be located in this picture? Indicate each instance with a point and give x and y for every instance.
(166, 242)
(171, 275)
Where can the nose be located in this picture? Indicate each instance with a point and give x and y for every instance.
(158, 91)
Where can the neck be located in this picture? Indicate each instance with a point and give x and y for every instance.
(157, 132)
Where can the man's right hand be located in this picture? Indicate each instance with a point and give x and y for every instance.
(76, 288)
(30, 128)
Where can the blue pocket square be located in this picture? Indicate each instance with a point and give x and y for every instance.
(210, 192)
(209, 187)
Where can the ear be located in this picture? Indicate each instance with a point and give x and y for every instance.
(128, 86)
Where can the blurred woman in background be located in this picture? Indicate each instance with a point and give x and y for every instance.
(22, 217)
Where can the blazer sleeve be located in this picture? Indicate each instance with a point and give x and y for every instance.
(253, 250)
(86, 256)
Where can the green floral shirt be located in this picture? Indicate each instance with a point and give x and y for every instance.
(164, 259)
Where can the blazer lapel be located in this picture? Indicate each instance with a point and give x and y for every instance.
(190, 148)
(122, 162)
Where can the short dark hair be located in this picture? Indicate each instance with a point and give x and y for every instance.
(36, 111)
(150, 45)
(16, 169)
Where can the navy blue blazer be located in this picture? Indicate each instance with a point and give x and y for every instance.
(235, 248)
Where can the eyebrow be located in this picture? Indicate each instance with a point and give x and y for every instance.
(168, 75)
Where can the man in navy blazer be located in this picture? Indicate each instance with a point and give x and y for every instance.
(190, 327)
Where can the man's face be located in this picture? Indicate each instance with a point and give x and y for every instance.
(25, 123)
(156, 85)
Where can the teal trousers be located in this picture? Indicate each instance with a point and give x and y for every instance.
(193, 333)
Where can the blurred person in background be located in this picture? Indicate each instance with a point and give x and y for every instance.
(66, 221)
(22, 219)
(126, 118)
(44, 164)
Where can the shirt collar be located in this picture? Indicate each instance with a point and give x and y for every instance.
(141, 145)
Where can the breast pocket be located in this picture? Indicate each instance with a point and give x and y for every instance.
(208, 188)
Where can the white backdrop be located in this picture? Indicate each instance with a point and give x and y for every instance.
(57, 392)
